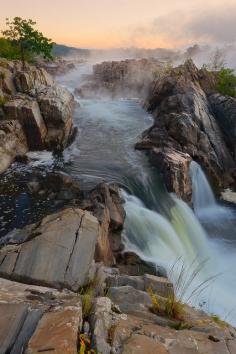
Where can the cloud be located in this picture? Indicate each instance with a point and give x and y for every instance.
(215, 25)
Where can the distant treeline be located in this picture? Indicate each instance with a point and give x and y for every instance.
(60, 50)
(11, 51)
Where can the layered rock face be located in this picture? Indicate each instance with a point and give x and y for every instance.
(186, 127)
(12, 142)
(40, 110)
(128, 78)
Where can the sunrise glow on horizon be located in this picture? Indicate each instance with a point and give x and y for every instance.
(127, 23)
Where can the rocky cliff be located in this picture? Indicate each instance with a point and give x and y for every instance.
(35, 112)
(127, 78)
(190, 122)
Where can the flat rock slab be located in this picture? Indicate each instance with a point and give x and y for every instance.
(57, 332)
(58, 252)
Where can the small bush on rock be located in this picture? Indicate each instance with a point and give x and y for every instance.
(227, 82)
(169, 307)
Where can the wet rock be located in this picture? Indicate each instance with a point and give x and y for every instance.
(131, 264)
(26, 110)
(24, 159)
(59, 251)
(57, 332)
(174, 166)
(12, 142)
(106, 204)
(109, 196)
(59, 184)
(101, 322)
(229, 196)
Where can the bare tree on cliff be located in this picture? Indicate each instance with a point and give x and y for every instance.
(30, 41)
(217, 60)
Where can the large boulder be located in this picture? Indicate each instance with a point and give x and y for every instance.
(56, 106)
(58, 252)
(184, 124)
(13, 142)
(106, 204)
(26, 110)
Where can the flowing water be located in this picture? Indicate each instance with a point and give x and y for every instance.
(159, 227)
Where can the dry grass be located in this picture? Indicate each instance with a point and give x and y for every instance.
(183, 278)
(219, 321)
(169, 307)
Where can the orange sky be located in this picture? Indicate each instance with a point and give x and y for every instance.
(125, 23)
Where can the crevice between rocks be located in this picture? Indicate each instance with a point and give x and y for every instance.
(72, 250)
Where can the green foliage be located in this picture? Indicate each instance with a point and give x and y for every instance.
(161, 71)
(227, 82)
(9, 50)
(3, 100)
(24, 40)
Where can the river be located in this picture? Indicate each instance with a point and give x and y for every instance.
(159, 227)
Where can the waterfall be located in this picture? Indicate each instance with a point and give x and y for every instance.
(202, 194)
(162, 240)
(204, 202)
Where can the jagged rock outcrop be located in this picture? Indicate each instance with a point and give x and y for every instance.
(42, 108)
(33, 78)
(224, 108)
(25, 110)
(185, 128)
(126, 78)
(106, 204)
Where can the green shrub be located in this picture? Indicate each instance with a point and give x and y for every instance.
(227, 82)
(11, 51)
(8, 50)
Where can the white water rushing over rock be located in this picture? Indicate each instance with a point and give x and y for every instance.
(159, 239)
(204, 202)
(163, 241)
(202, 194)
